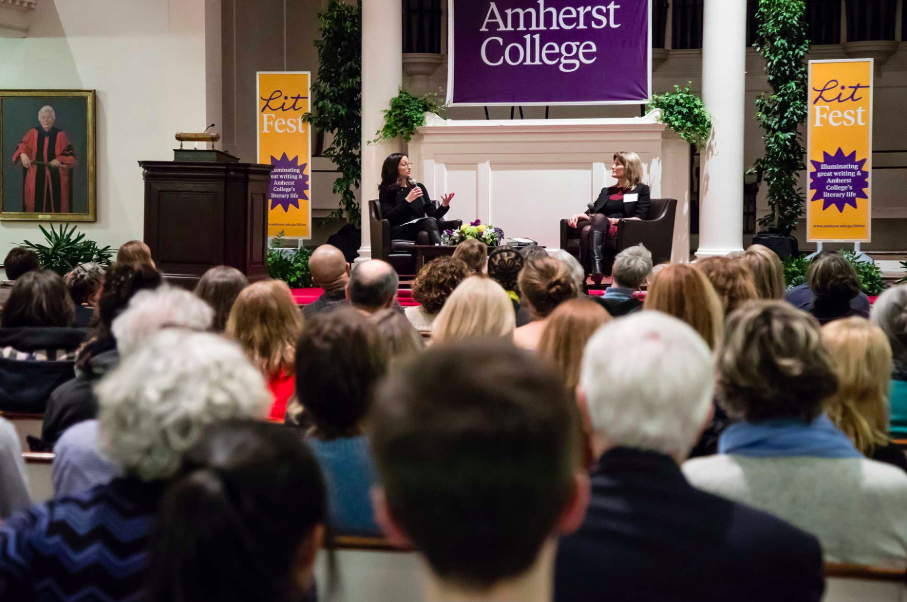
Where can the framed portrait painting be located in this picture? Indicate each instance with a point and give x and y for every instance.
(47, 155)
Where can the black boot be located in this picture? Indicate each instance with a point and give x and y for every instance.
(434, 235)
(598, 243)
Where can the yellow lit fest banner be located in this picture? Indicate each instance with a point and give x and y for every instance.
(839, 147)
(284, 141)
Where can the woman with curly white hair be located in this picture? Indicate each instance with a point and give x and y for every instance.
(154, 407)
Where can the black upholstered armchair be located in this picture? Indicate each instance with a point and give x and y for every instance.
(656, 232)
(398, 253)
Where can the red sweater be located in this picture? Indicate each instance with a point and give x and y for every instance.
(282, 387)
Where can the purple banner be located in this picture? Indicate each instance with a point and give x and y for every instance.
(549, 52)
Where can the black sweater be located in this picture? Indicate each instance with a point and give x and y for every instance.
(397, 210)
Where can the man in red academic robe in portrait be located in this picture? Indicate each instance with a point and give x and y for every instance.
(48, 158)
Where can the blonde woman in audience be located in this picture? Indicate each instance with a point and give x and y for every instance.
(890, 314)
(474, 253)
(545, 283)
(732, 280)
(267, 323)
(784, 456)
(862, 362)
(135, 251)
(431, 288)
(401, 341)
(478, 308)
(682, 291)
(767, 270)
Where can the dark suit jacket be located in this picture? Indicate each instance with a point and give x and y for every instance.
(638, 209)
(649, 535)
(397, 210)
(618, 307)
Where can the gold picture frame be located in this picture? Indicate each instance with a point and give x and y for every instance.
(70, 192)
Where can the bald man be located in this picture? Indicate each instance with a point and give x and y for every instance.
(331, 272)
(373, 286)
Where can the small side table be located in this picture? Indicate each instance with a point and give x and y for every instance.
(425, 253)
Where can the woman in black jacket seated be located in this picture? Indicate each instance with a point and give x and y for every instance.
(629, 200)
(406, 204)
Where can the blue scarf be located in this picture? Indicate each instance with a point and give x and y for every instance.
(787, 438)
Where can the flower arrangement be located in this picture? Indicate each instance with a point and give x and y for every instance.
(487, 233)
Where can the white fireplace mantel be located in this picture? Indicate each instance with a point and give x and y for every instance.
(525, 175)
(14, 17)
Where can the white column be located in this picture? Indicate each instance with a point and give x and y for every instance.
(724, 95)
(382, 75)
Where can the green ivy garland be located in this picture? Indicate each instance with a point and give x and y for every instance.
(337, 99)
(683, 112)
(406, 113)
(783, 42)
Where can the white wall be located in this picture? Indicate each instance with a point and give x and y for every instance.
(146, 59)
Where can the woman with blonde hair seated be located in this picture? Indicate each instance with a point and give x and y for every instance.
(682, 291)
(478, 308)
(474, 253)
(732, 280)
(767, 270)
(267, 323)
(862, 362)
(545, 283)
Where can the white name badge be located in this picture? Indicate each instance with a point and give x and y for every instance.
(631, 198)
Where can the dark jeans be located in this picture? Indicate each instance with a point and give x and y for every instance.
(429, 225)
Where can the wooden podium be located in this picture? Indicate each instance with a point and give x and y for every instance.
(202, 214)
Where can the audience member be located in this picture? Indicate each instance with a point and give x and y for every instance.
(504, 266)
(568, 330)
(533, 252)
(474, 253)
(400, 340)
(339, 360)
(731, 279)
(481, 474)
(13, 478)
(433, 285)
(154, 407)
(266, 322)
(648, 534)
(37, 345)
(372, 286)
(862, 363)
(84, 284)
(767, 270)
(890, 314)
(135, 251)
(220, 286)
(802, 296)
(479, 308)
(546, 283)
(18, 261)
(631, 268)
(575, 268)
(682, 291)
(79, 463)
(243, 520)
(75, 401)
(834, 283)
(331, 273)
(785, 456)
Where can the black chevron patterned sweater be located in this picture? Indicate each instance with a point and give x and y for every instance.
(90, 546)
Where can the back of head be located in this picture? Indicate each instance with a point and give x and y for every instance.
(328, 267)
(160, 399)
(476, 479)
(732, 280)
(121, 283)
(150, 311)
(504, 266)
(220, 286)
(573, 265)
(546, 283)
(20, 261)
(84, 281)
(372, 285)
(564, 339)
(648, 382)
(890, 314)
(682, 291)
(478, 308)
(767, 270)
(862, 361)
(533, 252)
(437, 280)
(38, 299)
(474, 253)
(772, 364)
(134, 251)
(246, 505)
(339, 359)
(831, 276)
(400, 340)
(632, 266)
(266, 321)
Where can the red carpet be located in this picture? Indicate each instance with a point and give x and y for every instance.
(304, 296)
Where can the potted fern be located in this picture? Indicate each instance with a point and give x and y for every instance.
(65, 249)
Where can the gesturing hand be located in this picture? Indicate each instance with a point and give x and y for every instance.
(445, 198)
(415, 193)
